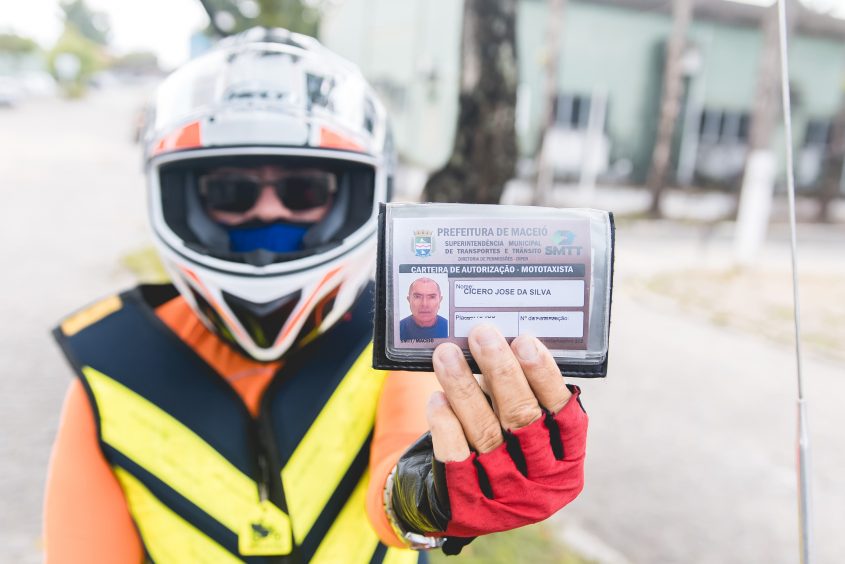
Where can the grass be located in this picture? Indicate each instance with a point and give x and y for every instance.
(534, 544)
(758, 301)
(145, 265)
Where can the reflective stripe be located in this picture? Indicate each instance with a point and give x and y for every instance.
(401, 556)
(186, 137)
(327, 450)
(166, 448)
(167, 537)
(90, 315)
(333, 140)
(351, 538)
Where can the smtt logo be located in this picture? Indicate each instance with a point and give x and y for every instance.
(423, 243)
(563, 244)
(561, 237)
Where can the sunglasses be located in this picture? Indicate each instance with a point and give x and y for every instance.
(238, 193)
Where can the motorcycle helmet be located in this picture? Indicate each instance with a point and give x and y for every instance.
(268, 100)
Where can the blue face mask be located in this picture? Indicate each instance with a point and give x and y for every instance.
(276, 237)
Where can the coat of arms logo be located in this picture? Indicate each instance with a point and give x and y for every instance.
(423, 243)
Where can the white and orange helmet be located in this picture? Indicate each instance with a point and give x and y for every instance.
(268, 96)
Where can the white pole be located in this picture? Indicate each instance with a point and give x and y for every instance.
(755, 204)
(803, 438)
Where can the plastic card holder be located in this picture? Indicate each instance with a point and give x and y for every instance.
(445, 268)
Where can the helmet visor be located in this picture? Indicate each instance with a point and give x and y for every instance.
(262, 210)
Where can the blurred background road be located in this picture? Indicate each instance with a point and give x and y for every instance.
(691, 450)
(691, 453)
(73, 204)
(663, 111)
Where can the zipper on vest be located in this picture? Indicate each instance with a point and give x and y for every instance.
(269, 472)
(263, 476)
(269, 478)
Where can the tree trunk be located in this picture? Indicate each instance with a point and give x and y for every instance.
(755, 199)
(767, 99)
(484, 153)
(545, 169)
(670, 102)
(832, 172)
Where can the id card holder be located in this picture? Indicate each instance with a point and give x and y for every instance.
(444, 268)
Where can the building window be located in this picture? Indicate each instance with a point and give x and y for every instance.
(572, 111)
(723, 127)
(818, 133)
(811, 156)
(722, 146)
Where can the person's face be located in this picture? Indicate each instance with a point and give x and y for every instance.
(269, 193)
(425, 298)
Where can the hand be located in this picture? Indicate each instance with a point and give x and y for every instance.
(485, 468)
(519, 380)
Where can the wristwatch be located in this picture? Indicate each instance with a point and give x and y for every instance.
(415, 541)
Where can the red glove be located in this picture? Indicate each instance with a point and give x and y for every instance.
(536, 471)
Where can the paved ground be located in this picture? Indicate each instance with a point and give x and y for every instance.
(73, 202)
(691, 453)
(691, 442)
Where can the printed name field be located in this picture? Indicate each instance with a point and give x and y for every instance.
(563, 324)
(519, 293)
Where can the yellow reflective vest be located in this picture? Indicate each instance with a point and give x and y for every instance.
(205, 481)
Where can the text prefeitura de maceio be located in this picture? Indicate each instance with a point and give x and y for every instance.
(492, 232)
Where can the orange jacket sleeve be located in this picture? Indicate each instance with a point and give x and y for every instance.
(86, 519)
(400, 420)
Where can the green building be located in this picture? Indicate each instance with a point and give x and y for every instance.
(611, 65)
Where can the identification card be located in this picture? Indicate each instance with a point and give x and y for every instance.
(445, 268)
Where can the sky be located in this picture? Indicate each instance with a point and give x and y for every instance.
(161, 26)
(165, 26)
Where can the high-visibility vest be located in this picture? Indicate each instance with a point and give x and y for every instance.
(205, 481)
